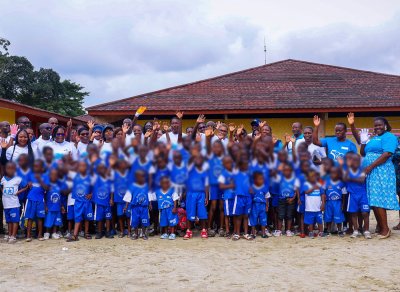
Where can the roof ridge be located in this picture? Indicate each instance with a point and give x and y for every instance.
(190, 83)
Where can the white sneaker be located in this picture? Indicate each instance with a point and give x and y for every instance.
(289, 233)
(12, 240)
(277, 233)
(46, 236)
(267, 233)
(55, 236)
(67, 235)
(81, 234)
(6, 238)
(60, 234)
(367, 235)
(164, 236)
(355, 234)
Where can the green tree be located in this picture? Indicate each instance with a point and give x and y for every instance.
(43, 89)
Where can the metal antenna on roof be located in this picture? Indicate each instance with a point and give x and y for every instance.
(265, 52)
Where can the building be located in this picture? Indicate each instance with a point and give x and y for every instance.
(280, 93)
(10, 111)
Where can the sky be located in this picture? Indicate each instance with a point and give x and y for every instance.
(121, 48)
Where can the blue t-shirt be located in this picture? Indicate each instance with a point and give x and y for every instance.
(102, 191)
(263, 168)
(140, 195)
(215, 169)
(165, 200)
(337, 148)
(242, 183)
(137, 165)
(260, 194)
(24, 181)
(333, 190)
(159, 173)
(288, 187)
(383, 143)
(356, 188)
(81, 187)
(121, 184)
(227, 178)
(197, 180)
(36, 193)
(179, 174)
(53, 197)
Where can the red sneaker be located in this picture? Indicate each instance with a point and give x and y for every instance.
(188, 235)
(204, 233)
(302, 235)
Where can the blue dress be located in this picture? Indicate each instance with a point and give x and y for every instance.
(381, 182)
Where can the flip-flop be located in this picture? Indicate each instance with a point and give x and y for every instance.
(385, 236)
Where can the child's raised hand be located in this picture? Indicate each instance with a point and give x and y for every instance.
(232, 127)
(350, 118)
(317, 121)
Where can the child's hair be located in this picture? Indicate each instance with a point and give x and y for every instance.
(311, 172)
(257, 174)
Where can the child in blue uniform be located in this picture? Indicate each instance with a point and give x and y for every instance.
(357, 200)
(102, 198)
(35, 201)
(242, 203)
(11, 188)
(197, 194)
(82, 194)
(227, 184)
(179, 174)
(215, 154)
(137, 198)
(53, 206)
(120, 186)
(333, 191)
(314, 204)
(288, 194)
(167, 201)
(259, 208)
(23, 171)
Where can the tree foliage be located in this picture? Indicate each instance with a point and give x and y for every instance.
(20, 82)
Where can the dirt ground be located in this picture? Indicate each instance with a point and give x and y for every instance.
(332, 264)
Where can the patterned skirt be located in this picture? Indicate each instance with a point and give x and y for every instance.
(381, 184)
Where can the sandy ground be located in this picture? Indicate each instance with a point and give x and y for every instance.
(215, 264)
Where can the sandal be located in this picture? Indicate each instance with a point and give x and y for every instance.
(397, 227)
(88, 236)
(235, 237)
(380, 236)
(248, 237)
(228, 235)
(73, 238)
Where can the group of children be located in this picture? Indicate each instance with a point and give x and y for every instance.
(137, 189)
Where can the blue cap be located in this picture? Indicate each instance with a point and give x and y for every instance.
(255, 122)
(98, 128)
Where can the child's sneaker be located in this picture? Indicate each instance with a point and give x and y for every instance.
(355, 234)
(98, 235)
(134, 236)
(277, 233)
(60, 234)
(55, 236)
(321, 234)
(221, 232)
(81, 234)
(210, 233)
(6, 238)
(188, 235)
(302, 235)
(341, 233)
(204, 234)
(267, 233)
(109, 235)
(28, 239)
(46, 236)
(172, 236)
(311, 235)
(367, 235)
(145, 237)
(12, 240)
(164, 236)
(67, 235)
(289, 233)
(235, 237)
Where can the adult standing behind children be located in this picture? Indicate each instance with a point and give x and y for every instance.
(381, 176)
(337, 146)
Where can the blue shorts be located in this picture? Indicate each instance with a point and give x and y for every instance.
(102, 212)
(333, 212)
(258, 214)
(215, 193)
(310, 218)
(274, 200)
(228, 207)
(83, 211)
(358, 203)
(53, 218)
(12, 215)
(195, 206)
(167, 218)
(140, 216)
(120, 210)
(241, 205)
(34, 209)
(70, 213)
(302, 207)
